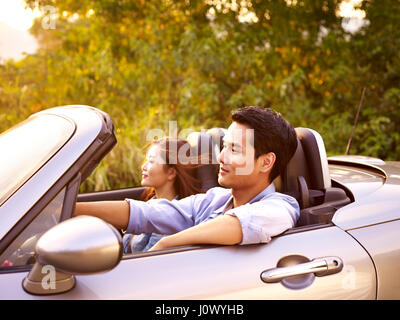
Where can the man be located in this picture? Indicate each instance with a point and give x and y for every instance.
(257, 147)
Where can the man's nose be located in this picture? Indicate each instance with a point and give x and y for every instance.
(222, 157)
(219, 157)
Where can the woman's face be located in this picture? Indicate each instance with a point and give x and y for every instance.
(153, 170)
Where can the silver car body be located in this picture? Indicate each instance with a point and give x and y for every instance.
(87, 126)
(363, 238)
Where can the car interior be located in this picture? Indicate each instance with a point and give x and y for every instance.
(306, 177)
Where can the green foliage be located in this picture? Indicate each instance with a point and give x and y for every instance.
(148, 62)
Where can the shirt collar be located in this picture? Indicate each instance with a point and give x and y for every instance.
(265, 192)
(262, 194)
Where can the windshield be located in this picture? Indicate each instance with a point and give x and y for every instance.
(26, 147)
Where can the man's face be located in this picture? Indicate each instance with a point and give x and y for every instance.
(238, 167)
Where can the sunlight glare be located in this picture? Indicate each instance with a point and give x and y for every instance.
(14, 14)
(347, 8)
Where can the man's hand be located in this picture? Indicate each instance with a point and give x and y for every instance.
(224, 230)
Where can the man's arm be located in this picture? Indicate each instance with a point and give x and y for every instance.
(247, 224)
(113, 212)
(225, 230)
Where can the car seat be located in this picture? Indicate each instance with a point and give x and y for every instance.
(306, 177)
(205, 151)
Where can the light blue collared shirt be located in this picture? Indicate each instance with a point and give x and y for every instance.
(266, 215)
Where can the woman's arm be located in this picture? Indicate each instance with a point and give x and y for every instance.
(113, 212)
(225, 229)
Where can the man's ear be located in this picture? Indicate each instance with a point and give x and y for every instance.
(267, 162)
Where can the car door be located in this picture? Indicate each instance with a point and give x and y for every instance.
(233, 272)
(237, 272)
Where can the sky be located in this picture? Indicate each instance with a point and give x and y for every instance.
(15, 21)
(14, 14)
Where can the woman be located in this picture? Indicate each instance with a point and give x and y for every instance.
(167, 173)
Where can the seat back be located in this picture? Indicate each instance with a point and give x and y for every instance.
(314, 150)
(310, 162)
(307, 178)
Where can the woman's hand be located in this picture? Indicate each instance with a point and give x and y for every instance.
(113, 212)
(161, 244)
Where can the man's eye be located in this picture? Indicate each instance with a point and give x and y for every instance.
(231, 148)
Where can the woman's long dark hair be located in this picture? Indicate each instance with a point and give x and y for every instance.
(173, 152)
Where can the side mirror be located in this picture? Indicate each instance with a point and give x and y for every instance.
(81, 245)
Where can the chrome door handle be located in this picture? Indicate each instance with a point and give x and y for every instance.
(320, 267)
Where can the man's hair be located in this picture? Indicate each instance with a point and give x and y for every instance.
(272, 133)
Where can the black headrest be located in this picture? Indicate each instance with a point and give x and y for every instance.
(307, 171)
(315, 153)
(297, 166)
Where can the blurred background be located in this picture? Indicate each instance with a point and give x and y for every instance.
(148, 62)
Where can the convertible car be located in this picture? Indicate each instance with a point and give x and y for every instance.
(346, 244)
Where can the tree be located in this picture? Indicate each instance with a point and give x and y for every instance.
(193, 61)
